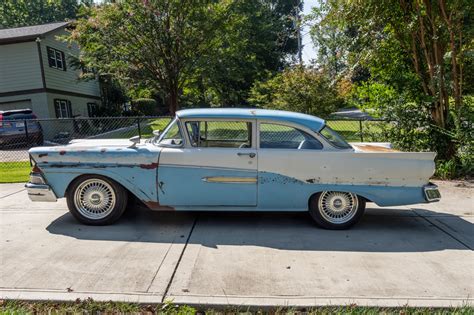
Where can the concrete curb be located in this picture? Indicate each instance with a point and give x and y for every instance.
(236, 301)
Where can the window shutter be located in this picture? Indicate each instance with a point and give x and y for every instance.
(57, 110)
(69, 109)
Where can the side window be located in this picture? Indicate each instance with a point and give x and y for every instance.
(172, 135)
(273, 136)
(56, 59)
(220, 134)
(92, 109)
(62, 108)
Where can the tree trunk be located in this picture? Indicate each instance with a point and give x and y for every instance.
(173, 100)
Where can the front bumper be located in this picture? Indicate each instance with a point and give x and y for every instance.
(40, 192)
(431, 193)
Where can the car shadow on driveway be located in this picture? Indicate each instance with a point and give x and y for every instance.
(380, 230)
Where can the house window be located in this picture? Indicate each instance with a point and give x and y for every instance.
(62, 108)
(92, 109)
(56, 59)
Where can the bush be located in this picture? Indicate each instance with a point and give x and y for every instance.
(298, 89)
(145, 106)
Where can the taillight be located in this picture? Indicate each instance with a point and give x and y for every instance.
(36, 175)
(36, 169)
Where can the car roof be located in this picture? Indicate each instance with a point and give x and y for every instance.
(16, 111)
(312, 122)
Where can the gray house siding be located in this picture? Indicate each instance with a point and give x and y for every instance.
(19, 67)
(28, 81)
(65, 80)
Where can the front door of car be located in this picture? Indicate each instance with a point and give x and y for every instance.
(217, 168)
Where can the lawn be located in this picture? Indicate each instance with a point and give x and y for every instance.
(91, 307)
(14, 172)
(372, 131)
(146, 127)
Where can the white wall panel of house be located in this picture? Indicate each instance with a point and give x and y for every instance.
(78, 104)
(65, 80)
(22, 104)
(19, 67)
(38, 103)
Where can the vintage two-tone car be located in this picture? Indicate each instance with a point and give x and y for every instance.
(232, 160)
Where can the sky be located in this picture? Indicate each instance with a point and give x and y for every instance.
(308, 49)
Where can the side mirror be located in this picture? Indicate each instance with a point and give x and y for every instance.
(156, 133)
(135, 140)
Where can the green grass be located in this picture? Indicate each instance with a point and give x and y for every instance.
(14, 172)
(91, 307)
(372, 131)
(146, 127)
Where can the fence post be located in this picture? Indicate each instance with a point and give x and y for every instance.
(26, 132)
(361, 132)
(139, 130)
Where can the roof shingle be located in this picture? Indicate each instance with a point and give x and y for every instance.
(26, 33)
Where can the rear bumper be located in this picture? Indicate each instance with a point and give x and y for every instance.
(431, 193)
(40, 192)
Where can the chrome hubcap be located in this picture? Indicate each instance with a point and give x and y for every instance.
(337, 207)
(94, 199)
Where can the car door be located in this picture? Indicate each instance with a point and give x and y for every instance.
(216, 167)
(285, 154)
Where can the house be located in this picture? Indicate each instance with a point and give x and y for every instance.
(35, 73)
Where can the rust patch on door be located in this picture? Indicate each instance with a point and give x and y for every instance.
(149, 166)
(154, 205)
(373, 148)
(62, 152)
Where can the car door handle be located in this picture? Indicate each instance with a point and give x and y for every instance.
(250, 154)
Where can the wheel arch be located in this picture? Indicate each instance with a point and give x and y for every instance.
(359, 194)
(61, 182)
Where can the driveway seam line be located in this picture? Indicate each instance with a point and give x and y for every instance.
(16, 192)
(179, 260)
(159, 267)
(443, 230)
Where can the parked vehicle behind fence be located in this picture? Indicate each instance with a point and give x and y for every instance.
(232, 160)
(19, 127)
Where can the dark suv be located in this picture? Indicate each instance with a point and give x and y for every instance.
(19, 127)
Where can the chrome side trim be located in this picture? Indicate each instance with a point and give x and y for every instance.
(431, 193)
(40, 192)
(230, 180)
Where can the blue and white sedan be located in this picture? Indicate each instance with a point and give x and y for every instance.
(232, 160)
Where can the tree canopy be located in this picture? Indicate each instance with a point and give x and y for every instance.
(16, 13)
(196, 51)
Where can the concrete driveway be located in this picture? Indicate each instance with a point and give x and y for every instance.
(420, 255)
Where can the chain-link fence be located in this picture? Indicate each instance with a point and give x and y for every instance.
(17, 136)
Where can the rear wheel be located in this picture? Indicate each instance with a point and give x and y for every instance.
(96, 200)
(336, 210)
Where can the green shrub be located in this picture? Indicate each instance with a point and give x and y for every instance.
(145, 106)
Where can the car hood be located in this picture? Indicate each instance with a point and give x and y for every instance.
(98, 152)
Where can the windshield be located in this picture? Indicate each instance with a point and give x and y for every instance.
(171, 135)
(334, 138)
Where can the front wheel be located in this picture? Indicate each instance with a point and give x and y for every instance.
(96, 200)
(336, 210)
